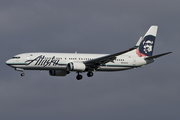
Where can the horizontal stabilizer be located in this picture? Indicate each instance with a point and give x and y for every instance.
(156, 56)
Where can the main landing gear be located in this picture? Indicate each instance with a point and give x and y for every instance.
(90, 74)
(79, 77)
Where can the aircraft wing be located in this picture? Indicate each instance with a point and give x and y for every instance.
(105, 59)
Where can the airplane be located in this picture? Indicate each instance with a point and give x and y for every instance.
(61, 64)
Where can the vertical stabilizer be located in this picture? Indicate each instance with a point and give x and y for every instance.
(146, 45)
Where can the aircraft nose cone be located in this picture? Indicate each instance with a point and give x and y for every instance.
(8, 62)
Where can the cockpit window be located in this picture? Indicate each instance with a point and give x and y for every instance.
(16, 57)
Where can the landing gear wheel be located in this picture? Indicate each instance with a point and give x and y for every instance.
(22, 74)
(79, 77)
(90, 74)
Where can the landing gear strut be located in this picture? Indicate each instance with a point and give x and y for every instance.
(79, 77)
(21, 70)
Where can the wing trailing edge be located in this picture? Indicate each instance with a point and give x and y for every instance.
(107, 58)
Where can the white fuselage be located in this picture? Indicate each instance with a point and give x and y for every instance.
(59, 61)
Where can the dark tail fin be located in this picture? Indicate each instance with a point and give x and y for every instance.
(146, 44)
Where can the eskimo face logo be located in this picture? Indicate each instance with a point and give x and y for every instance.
(147, 46)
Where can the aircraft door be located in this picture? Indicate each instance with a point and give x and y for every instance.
(28, 56)
(134, 61)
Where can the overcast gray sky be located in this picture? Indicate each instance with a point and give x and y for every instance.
(89, 26)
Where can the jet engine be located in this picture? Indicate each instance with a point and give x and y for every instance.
(76, 66)
(58, 72)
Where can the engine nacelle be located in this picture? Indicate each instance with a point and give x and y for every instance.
(76, 66)
(58, 72)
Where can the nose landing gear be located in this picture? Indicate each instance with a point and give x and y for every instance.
(22, 74)
(21, 70)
